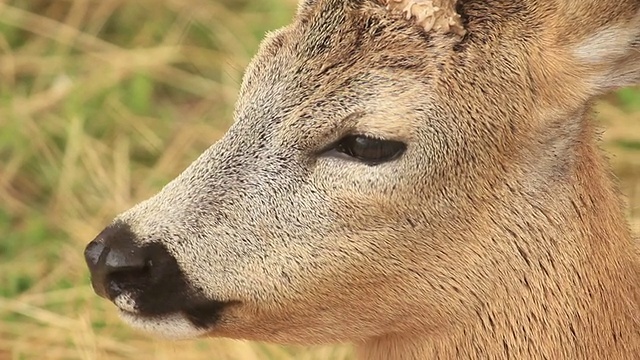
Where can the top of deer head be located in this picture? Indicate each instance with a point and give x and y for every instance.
(431, 14)
(428, 185)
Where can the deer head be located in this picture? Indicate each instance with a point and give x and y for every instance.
(400, 170)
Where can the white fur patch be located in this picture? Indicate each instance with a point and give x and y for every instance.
(615, 51)
(126, 303)
(608, 44)
(170, 327)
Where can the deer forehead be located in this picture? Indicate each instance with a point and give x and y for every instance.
(311, 92)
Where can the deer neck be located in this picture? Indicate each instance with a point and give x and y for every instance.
(563, 330)
(575, 300)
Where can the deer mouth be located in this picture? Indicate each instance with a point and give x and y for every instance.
(190, 321)
(170, 326)
(201, 314)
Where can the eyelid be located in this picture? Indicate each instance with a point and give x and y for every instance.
(345, 128)
(355, 124)
(330, 146)
(333, 147)
(359, 157)
(335, 143)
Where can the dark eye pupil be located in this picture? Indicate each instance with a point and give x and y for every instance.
(370, 149)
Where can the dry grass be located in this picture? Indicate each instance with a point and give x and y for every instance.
(101, 103)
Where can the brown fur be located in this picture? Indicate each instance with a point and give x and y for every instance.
(498, 234)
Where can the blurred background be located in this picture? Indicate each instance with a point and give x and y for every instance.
(102, 102)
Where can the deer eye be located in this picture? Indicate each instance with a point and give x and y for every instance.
(370, 150)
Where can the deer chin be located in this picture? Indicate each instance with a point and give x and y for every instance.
(189, 321)
(176, 326)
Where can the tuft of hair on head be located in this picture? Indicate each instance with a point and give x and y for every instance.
(432, 15)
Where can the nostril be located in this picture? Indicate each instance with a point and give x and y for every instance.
(125, 268)
(93, 252)
(116, 262)
(127, 277)
(128, 260)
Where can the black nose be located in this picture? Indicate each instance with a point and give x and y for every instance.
(116, 263)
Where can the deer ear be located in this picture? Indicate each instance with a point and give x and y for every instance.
(611, 55)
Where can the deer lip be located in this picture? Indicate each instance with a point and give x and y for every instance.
(206, 315)
(202, 315)
(129, 313)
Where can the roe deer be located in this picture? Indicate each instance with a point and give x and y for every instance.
(420, 178)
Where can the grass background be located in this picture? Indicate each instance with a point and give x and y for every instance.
(101, 103)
